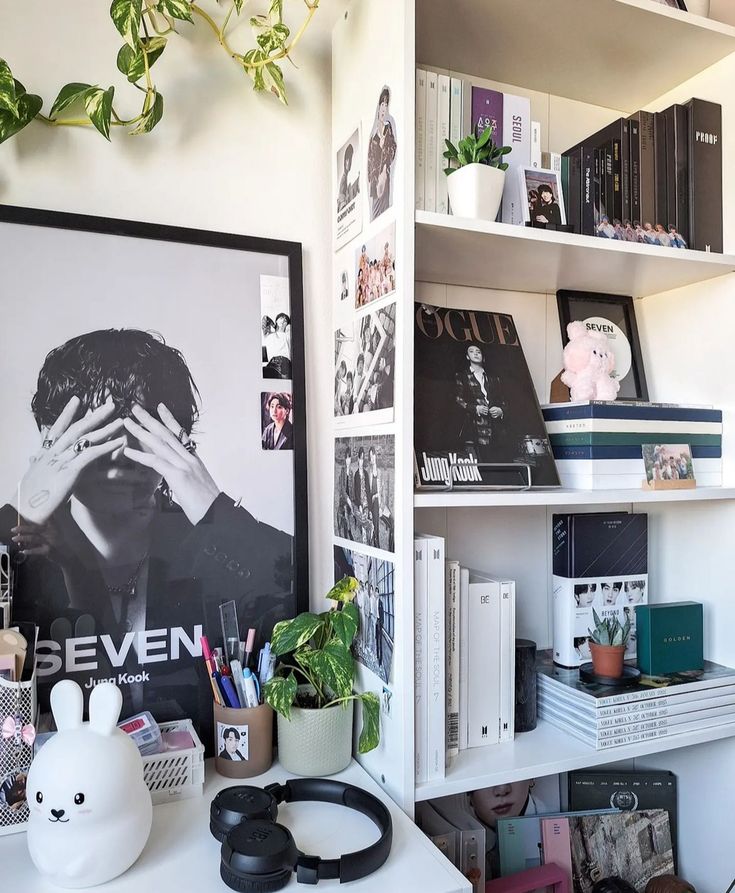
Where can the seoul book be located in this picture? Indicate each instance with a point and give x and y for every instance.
(475, 404)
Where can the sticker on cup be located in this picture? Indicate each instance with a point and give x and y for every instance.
(232, 742)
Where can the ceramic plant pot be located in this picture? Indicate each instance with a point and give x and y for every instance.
(476, 190)
(607, 660)
(316, 742)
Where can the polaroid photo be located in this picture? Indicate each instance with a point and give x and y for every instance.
(542, 199)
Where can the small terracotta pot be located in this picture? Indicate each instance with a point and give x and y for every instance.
(607, 660)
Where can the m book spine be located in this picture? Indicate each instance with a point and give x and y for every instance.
(587, 203)
(456, 110)
(484, 666)
(436, 670)
(442, 135)
(573, 198)
(452, 649)
(647, 161)
(421, 595)
(705, 175)
(681, 171)
(507, 659)
(432, 112)
(464, 653)
(420, 137)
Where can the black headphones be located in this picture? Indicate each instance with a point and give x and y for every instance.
(259, 855)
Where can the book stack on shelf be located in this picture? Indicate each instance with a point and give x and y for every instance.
(464, 658)
(654, 707)
(598, 445)
(451, 108)
(654, 178)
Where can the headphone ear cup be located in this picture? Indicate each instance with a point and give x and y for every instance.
(261, 884)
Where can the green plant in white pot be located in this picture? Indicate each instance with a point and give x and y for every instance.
(476, 170)
(312, 691)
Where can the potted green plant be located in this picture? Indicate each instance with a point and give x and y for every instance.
(476, 170)
(312, 690)
(607, 645)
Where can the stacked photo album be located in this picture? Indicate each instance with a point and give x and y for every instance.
(464, 658)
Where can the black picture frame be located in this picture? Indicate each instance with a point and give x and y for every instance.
(581, 305)
(297, 572)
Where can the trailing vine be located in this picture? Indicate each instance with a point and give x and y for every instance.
(146, 27)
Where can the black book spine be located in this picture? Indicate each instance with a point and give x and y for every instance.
(617, 181)
(573, 194)
(635, 170)
(661, 208)
(587, 203)
(681, 169)
(607, 201)
(647, 147)
(670, 168)
(561, 529)
(705, 175)
(625, 172)
(598, 161)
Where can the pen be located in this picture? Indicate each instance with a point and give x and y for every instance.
(266, 664)
(249, 645)
(228, 689)
(237, 674)
(249, 684)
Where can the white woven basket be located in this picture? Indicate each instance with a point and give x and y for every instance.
(177, 774)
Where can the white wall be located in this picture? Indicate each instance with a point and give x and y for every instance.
(223, 158)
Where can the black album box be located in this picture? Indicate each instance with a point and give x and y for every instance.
(600, 544)
(477, 420)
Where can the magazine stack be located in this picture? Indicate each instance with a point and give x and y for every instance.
(602, 445)
(653, 707)
(464, 658)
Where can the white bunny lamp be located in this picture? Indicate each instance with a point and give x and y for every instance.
(90, 810)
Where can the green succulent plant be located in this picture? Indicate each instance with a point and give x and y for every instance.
(609, 631)
(476, 150)
(314, 649)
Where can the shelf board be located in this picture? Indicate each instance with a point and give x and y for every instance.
(562, 496)
(547, 751)
(631, 51)
(486, 254)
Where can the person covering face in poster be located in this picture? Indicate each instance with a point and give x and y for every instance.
(381, 156)
(129, 544)
(480, 406)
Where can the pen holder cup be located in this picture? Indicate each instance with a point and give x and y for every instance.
(243, 740)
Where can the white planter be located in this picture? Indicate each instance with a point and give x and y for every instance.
(476, 190)
(698, 7)
(316, 742)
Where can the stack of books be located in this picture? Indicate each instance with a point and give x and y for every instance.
(452, 108)
(654, 178)
(654, 707)
(598, 445)
(464, 657)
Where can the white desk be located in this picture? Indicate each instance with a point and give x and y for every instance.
(182, 856)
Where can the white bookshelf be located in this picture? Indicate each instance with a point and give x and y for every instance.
(483, 253)
(548, 751)
(616, 53)
(598, 56)
(456, 499)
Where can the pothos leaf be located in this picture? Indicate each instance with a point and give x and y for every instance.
(67, 95)
(126, 16)
(333, 665)
(28, 105)
(238, 6)
(177, 9)
(151, 117)
(370, 734)
(98, 104)
(131, 61)
(8, 97)
(344, 590)
(290, 634)
(345, 624)
(276, 8)
(280, 693)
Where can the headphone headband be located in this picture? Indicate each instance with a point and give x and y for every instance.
(260, 855)
(350, 866)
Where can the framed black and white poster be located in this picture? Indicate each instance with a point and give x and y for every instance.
(613, 315)
(152, 468)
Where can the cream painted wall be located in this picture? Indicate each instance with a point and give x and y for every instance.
(223, 158)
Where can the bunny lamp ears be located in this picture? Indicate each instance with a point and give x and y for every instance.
(67, 704)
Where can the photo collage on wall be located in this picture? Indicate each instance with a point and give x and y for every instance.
(364, 328)
(276, 403)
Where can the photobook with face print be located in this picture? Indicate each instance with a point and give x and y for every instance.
(475, 404)
(600, 563)
(165, 426)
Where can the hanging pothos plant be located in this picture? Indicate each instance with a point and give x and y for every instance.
(146, 26)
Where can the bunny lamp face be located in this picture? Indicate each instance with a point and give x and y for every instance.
(90, 808)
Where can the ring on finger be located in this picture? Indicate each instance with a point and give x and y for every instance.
(82, 444)
(183, 435)
(47, 443)
(190, 446)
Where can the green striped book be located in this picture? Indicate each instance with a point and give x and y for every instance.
(612, 438)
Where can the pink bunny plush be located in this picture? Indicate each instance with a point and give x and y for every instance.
(588, 363)
(90, 809)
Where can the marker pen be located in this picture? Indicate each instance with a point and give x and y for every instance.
(251, 693)
(249, 645)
